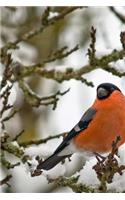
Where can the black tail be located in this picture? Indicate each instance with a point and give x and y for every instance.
(51, 162)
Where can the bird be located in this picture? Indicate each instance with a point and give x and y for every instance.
(97, 129)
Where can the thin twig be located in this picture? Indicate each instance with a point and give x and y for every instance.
(34, 100)
(5, 180)
(5, 96)
(7, 72)
(122, 39)
(91, 49)
(117, 14)
(59, 54)
(10, 116)
(41, 141)
(107, 167)
(18, 135)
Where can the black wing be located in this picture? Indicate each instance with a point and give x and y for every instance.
(56, 158)
(82, 125)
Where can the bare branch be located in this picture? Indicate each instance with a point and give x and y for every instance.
(5, 95)
(117, 14)
(34, 100)
(92, 50)
(7, 72)
(44, 18)
(41, 141)
(5, 180)
(59, 54)
(18, 135)
(122, 38)
(10, 116)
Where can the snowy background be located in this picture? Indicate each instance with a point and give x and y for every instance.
(71, 106)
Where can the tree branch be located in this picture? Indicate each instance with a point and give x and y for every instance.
(40, 29)
(5, 180)
(91, 49)
(107, 167)
(122, 39)
(71, 183)
(59, 54)
(70, 73)
(11, 148)
(34, 100)
(117, 14)
(41, 141)
(6, 163)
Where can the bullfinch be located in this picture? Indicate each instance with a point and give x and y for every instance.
(97, 128)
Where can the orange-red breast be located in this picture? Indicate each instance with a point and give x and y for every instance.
(96, 130)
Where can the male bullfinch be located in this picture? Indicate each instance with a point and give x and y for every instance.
(96, 130)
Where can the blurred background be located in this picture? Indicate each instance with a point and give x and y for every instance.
(43, 121)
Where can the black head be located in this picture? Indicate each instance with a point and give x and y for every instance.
(104, 90)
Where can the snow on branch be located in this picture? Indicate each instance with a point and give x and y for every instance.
(107, 167)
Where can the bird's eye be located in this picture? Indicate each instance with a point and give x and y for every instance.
(102, 93)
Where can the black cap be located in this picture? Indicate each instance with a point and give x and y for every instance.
(104, 90)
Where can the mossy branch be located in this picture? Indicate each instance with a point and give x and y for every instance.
(35, 101)
(23, 71)
(41, 141)
(71, 183)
